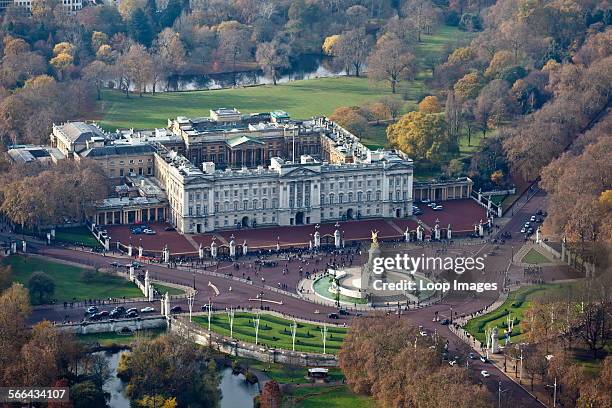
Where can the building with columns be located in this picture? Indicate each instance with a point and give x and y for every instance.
(233, 170)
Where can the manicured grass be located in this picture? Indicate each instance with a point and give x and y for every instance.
(77, 236)
(285, 374)
(534, 257)
(276, 332)
(516, 305)
(69, 281)
(109, 339)
(329, 397)
(375, 136)
(301, 99)
(169, 289)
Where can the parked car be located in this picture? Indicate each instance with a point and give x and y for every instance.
(445, 322)
(438, 208)
(149, 232)
(523, 230)
(452, 363)
(472, 356)
(485, 373)
(483, 359)
(333, 316)
(130, 310)
(169, 229)
(533, 218)
(176, 309)
(423, 333)
(343, 312)
(91, 310)
(114, 314)
(431, 205)
(132, 314)
(147, 309)
(425, 200)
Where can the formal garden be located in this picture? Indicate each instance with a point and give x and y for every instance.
(275, 332)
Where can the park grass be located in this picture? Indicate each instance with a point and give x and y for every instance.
(301, 99)
(168, 289)
(69, 283)
(114, 339)
(516, 304)
(77, 236)
(326, 396)
(535, 257)
(287, 374)
(276, 332)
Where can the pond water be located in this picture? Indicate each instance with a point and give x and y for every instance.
(236, 392)
(304, 67)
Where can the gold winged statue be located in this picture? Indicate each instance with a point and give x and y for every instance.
(374, 236)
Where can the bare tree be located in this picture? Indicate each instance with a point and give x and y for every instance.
(272, 57)
(390, 61)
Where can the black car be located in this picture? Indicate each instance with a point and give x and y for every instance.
(115, 313)
(333, 316)
(176, 309)
(130, 310)
(343, 312)
(445, 322)
(169, 229)
(132, 314)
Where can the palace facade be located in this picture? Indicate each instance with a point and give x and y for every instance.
(232, 169)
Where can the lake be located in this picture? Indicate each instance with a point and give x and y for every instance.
(236, 392)
(308, 66)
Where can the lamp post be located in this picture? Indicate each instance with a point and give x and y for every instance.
(261, 300)
(554, 387)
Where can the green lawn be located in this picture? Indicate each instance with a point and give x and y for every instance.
(286, 374)
(329, 397)
(110, 339)
(276, 332)
(301, 99)
(169, 289)
(77, 236)
(68, 280)
(516, 304)
(534, 257)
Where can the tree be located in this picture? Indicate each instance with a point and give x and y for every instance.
(170, 50)
(493, 105)
(421, 15)
(271, 396)
(430, 104)
(41, 286)
(351, 49)
(151, 372)
(98, 39)
(272, 57)
(351, 118)
(96, 73)
(140, 28)
(6, 278)
(61, 63)
(86, 395)
(234, 43)
(393, 105)
(14, 309)
(468, 86)
(134, 67)
(390, 61)
(453, 117)
(421, 136)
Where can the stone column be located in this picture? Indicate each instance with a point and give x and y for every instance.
(232, 248)
(48, 238)
(201, 252)
(166, 254)
(500, 211)
(437, 232)
(407, 235)
(140, 250)
(131, 273)
(14, 247)
(563, 250)
(24, 246)
(480, 229)
(245, 248)
(317, 239)
(107, 244)
(337, 242)
(167, 305)
(129, 250)
(449, 233)
(213, 250)
(151, 293)
(147, 284)
(162, 304)
(419, 233)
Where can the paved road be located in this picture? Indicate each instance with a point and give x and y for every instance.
(233, 293)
